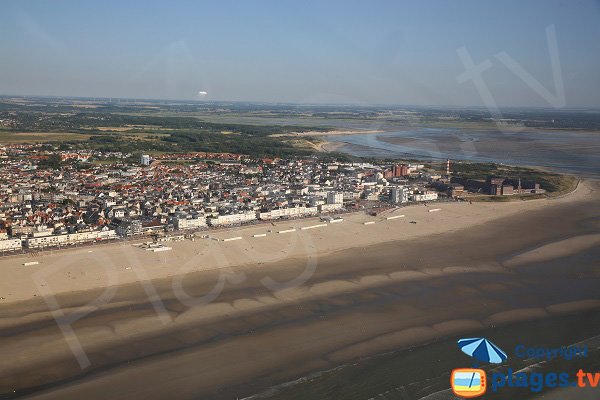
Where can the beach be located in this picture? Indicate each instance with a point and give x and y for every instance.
(423, 372)
(91, 267)
(225, 319)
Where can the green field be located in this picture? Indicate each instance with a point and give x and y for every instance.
(10, 137)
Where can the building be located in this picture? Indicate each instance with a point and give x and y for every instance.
(290, 212)
(69, 239)
(494, 186)
(232, 219)
(455, 190)
(188, 222)
(10, 245)
(126, 227)
(398, 194)
(501, 187)
(520, 186)
(400, 170)
(323, 208)
(21, 230)
(335, 198)
(145, 159)
(427, 195)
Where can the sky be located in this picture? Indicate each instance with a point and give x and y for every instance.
(326, 51)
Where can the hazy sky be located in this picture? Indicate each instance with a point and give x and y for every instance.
(368, 52)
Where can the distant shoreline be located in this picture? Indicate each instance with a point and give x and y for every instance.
(333, 132)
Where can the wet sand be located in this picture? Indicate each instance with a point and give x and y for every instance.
(423, 372)
(232, 332)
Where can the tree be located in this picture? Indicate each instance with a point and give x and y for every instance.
(53, 161)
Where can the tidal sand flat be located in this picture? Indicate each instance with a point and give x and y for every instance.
(572, 151)
(423, 372)
(213, 319)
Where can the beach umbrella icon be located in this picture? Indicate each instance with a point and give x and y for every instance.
(482, 350)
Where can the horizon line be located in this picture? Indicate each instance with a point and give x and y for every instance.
(261, 102)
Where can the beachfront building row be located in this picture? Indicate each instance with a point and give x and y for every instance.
(326, 208)
(424, 195)
(44, 241)
(10, 245)
(291, 212)
(185, 222)
(232, 219)
(69, 239)
(249, 216)
(128, 228)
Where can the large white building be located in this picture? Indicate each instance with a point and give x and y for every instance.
(335, 198)
(291, 212)
(145, 159)
(232, 219)
(399, 194)
(127, 227)
(69, 239)
(330, 207)
(10, 245)
(425, 196)
(189, 223)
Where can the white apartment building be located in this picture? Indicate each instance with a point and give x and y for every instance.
(335, 198)
(412, 168)
(189, 223)
(69, 239)
(10, 245)
(145, 159)
(425, 196)
(232, 219)
(330, 207)
(291, 212)
(399, 194)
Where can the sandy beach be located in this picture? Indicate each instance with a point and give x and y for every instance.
(328, 147)
(220, 319)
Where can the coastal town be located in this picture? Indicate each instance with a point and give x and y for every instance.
(52, 197)
(288, 200)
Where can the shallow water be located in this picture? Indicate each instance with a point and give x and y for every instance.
(573, 152)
